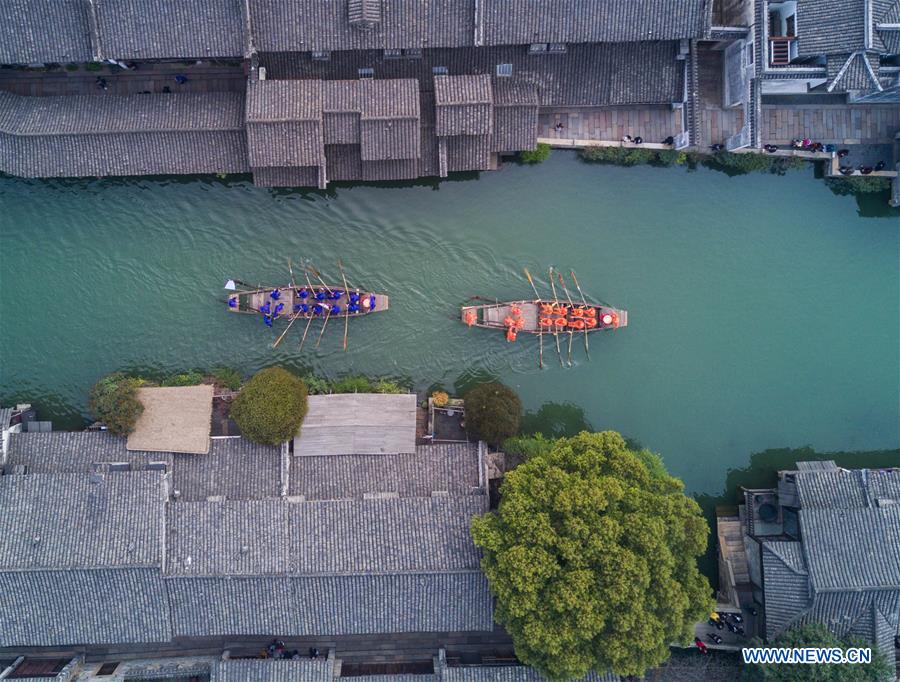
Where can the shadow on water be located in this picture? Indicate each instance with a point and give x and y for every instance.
(556, 420)
(762, 472)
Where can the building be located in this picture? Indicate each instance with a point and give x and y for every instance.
(343, 90)
(101, 544)
(823, 547)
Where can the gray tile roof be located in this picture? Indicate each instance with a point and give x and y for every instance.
(786, 585)
(464, 105)
(441, 467)
(157, 29)
(73, 452)
(305, 25)
(844, 570)
(322, 537)
(37, 31)
(468, 152)
(362, 423)
(262, 670)
(83, 135)
(515, 115)
(80, 559)
(331, 605)
(304, 176)
(856, 71)
(830, 26)
(77, 607)
(235, 467)
(520, 22)
(5, 417)
(118, 518)
(886, 12)
(508, 673)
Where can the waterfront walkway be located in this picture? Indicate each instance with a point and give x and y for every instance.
(653, 123)
(836, 124)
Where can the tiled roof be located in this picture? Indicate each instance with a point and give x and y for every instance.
(464, 105)
(159, 29)
(440, 467)
(857, 71)
(508, 673)
(515, 116)
(322, 538)
(331, 605)
(830, 27)
(468, 152)
(886, 12)
(44, 31)
(118, 518)
(262, 670)
(304, 176)
(847, 489)
(84, 135)
(72, 452)
(305, 25)
(786, 584)
(235, 467)
(520, 22)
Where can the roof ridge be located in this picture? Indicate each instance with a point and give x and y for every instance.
(362, 573)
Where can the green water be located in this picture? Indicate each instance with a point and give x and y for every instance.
(764, 311)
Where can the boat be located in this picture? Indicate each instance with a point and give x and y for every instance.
(546, 316)
(302, 301)
(541, 316)
(308, 302)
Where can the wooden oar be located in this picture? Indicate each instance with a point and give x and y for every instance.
(290, 324)
(556, 333)
(347, 313)
(587, 348)
(309, 321)
(327, 307)
(584, 329)
(538, 319)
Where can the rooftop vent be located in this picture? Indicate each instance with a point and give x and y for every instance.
(364, 15)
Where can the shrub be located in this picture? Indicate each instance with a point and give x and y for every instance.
(520, 449)
(352, 384)
(440, 398)
(271, 406)
(385, 386)
(537, 155)
(493, 413)
(93, 66)
(189, 378)
(316, 385)
(750, 162)
(227, 378)
(859, 184)
(72, 67)
(113, 401)
(621, 156)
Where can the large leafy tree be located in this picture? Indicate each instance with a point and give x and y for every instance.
(113, 400)
(816, 635)
(592, 558)
(271, 406)
(493, 412)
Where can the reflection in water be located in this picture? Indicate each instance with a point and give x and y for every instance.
(556, 420)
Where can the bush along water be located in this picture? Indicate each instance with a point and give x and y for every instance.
(726, 162)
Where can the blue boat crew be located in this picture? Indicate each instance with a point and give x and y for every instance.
(335, 309)
(320, 295)
(302, 293)
(232, 303)
(275, 294)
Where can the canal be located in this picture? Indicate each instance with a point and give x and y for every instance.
(763, 310)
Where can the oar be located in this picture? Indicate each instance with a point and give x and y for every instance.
(587, 348)
(347, 313)
(290, 324)
(556, 333)
(569, 298)
(537, 319)
(309, 321)
(327, 307)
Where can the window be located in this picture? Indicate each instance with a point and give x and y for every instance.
(537, 48)
(440, 70)
(393, 54)
(504, 69)
(321, 56)
(412, 53)
(107, 669)
(556, 47)
(120, 466)
(367, 73)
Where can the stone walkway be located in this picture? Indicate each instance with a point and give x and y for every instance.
(653, 123)
(202, 77)
(845, 125)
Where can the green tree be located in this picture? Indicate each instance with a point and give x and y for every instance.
(815, 634)
(592, 559)
(493, 412)
(271, 406)
(113, 401)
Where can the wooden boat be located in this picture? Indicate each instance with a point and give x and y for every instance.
(302, 302)
(536, 317)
